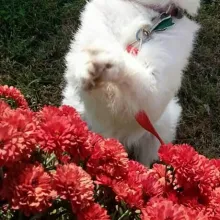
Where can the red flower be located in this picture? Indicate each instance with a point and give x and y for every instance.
(17, 136)
(50, 111)
(213, 208)
(162, 209)
(62, 133)
(94, 138)
(192, 171)
(69, 112)
(186, 188)
(93, 212)
(5, 110)
(129, 191)
(179, 156)
(74, 184)
(216, 162)
(108, 159)
(130, 188)
(197, 176)
(28, 188)
(136, 167)
(65, 159)
(154, 183)
(207, 176)
(15, 94)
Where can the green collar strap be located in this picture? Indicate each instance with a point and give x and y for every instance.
(164, 23)
(160, 23)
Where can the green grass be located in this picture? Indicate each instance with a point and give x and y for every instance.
(200, 93)
(34, 37)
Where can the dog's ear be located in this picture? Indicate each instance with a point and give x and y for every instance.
(191, 6)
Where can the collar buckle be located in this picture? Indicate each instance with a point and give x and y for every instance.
(160, 23)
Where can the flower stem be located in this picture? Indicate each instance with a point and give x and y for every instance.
(37, 216)
(125, 214)
(1, 173)
(50, 159)
(20, 216)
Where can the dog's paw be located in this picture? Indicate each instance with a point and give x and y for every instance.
(100, 67)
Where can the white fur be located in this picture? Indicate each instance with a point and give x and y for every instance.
(108, 86)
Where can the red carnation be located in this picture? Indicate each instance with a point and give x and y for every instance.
(162, 209)
(93, 212)
(17, 136)
(62, 133)
(154, 183)
(47, 113)
(216, 162)
(94, 138)
(179, 156)
(5, 110)
(194, 172)
(15, 94)
(50, 111)
(108, 159)
(213, 208)
(69, 112)
(28, 188)
(136, 167)
(74, 184)
(129, 191)
(207, 177)
(130, 188)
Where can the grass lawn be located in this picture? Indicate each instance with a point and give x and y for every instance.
(34, 37)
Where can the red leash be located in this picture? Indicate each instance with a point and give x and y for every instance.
(142, 117)
(144, 121)
(164, 22)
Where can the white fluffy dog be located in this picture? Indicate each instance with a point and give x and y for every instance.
(108, 85)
